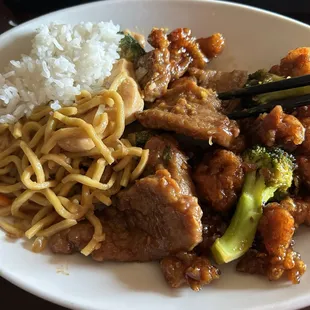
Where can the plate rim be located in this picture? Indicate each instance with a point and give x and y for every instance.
(302, 301)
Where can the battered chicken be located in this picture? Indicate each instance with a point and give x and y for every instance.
(277, 228)
(187, 268)
(304, 148)
(219, 179)
(295, 63)
(212, 46)
(173, 54)
(278, 258)
(277, 129)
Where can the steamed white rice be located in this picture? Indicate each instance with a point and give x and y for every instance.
(63, 61)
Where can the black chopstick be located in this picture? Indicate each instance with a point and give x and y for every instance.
(287, 104)
(266, 88)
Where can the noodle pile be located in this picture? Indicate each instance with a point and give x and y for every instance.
(60, 164)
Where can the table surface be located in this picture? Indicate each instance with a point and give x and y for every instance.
(10, 294)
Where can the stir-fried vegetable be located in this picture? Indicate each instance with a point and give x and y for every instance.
(130, 49)
(139, 138)
(262, 76)
(273, 171)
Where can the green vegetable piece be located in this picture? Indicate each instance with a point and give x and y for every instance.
(273, 172)
(130, 49)
(140, 138)
(282, 94)
(262, 76)
(167, 155)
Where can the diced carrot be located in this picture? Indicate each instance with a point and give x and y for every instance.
(4, 201)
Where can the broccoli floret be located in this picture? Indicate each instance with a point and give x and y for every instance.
(262, 76)
(272, 171)
(130, 49)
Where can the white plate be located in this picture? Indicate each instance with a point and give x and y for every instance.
(255, 39)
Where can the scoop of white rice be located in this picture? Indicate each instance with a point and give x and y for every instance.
(63, 61)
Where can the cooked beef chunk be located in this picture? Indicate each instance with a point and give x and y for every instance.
(73, 239)
(187, 268)
(193, 111)
(295, 63)
(156, 217)
(152, 219)
(255, 262)
(277, 129)
(170, 59)
(218, 80)
(304, 148)
(221, 82)
(213, 227)
(239, 145)
(277, 228)
(212, 46)
(158, 220)
(299, 208)
(154, 73)
(164, 153)
(219, 178)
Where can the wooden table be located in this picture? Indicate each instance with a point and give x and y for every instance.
(10, 294)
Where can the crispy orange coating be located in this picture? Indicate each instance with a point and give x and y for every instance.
(256, 262)
(303, 170)
(277, 129)
(171, 57)
(219, 179)
(277, 228)
(212, 46)
(187, 268)
(304, 148)
(295, 63)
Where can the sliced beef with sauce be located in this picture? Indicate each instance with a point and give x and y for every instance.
(193, 111)
(218, 80)
(219, 179)
(155, 217)
(165, 153)
(276, 129)
(73, 239)
(221, 82)
(159, 221)
(190, 269)
(173, 54)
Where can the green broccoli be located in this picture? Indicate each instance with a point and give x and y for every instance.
(272, 171)
(130, 49)
(262, 76)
